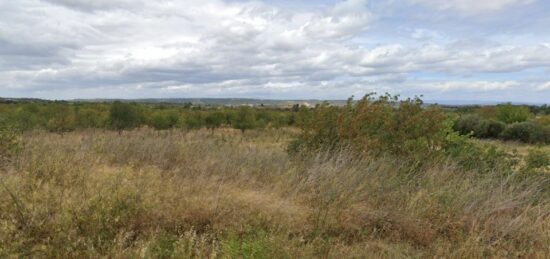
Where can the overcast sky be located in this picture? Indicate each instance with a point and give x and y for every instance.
(458, 50)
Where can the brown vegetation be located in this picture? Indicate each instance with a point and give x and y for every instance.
(184, 194)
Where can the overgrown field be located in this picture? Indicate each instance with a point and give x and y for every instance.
(224, 194)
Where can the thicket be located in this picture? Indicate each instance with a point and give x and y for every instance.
(374, 125)
(63, 117)
(506, 122)
(389, 127)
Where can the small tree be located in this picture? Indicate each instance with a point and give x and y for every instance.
(214, 120)
(123, 116)
(245, 119)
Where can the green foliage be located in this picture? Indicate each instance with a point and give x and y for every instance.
(471, 124)
(61, 118)
(478, 127)
(494, 128)
(163, 246)
(376, 126)
(481, 157)
(404, 129)
(245, 119)
(90, 117)
(162, 120)
(28, 116)
(214, 120)
(540, 110)
(124, 116)
(526, 132)
(64, 116)
(509, 113)
(537, 158)
(254, 244)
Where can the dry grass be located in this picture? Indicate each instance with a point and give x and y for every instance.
(514, 146)
(199, 194)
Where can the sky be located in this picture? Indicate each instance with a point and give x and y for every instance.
(445, 50)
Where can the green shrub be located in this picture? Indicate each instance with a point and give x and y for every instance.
(165, 120)
(494, 129)
(194, 120)
(124, 116)
(245, 119)
(478, 127)
(527, 132)
(375, 126)
(214, 120)
(472, 124)
(509, 113)
(480, 157)
(537, 158)
(62, 118)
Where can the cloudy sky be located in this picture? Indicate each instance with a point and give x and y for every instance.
(446, 50)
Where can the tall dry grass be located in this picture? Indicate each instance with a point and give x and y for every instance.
(182, 194)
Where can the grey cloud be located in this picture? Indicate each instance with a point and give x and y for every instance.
(97, 5)
(248, 49)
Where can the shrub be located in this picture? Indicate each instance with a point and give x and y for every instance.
(375, 126)
(480, 157)
(165, 119)
(214, 120)
(472, 124)
(194, 120)
(124, 116)
(509, 113)
(494, 128)
(478, 127)
(245, 119)
(526, 132)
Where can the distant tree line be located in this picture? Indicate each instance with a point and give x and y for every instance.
(529, 124)
(64, 116)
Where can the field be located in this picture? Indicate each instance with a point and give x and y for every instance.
(226, 194)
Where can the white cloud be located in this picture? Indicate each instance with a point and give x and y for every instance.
(473, 6)
(472, 86)
(215, 48)
(544, 86)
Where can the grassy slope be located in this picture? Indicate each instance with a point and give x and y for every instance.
(194, 194)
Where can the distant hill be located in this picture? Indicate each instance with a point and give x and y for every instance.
(220, 101)
(253, 102)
